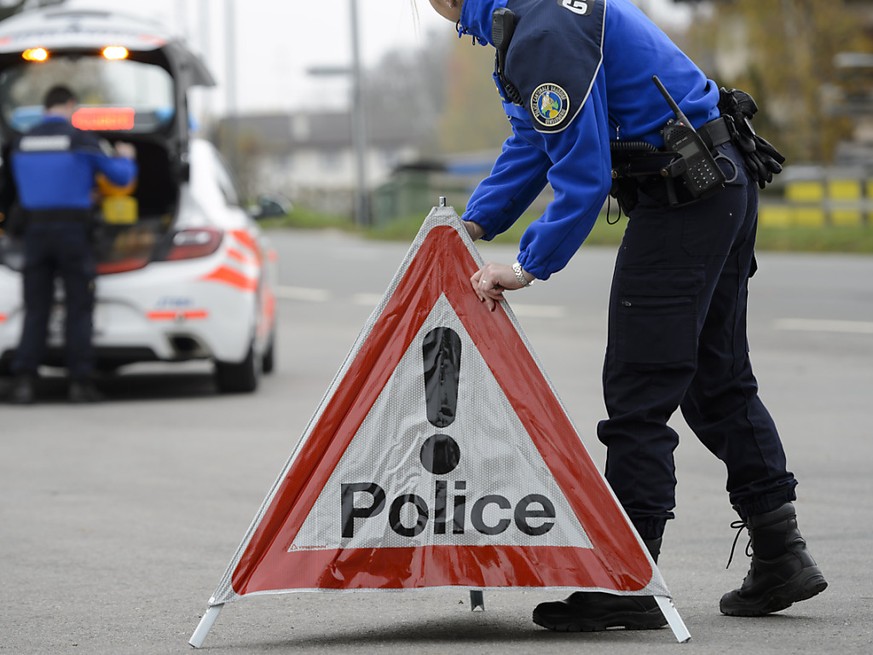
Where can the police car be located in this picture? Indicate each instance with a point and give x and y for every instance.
(184, 272)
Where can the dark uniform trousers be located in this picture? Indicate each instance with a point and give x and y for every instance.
(58, 248)
(677, 339)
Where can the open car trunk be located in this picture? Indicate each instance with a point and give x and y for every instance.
(132, 80)
(131, 245)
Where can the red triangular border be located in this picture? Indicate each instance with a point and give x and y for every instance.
(442, 265)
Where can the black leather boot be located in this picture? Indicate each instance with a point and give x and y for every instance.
(593, 611)
(22, 389)
(782, 572)
(84, 391)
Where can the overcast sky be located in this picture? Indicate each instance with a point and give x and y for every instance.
(278, 40)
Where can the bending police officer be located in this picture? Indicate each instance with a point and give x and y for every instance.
(576, 78)
(54, 166)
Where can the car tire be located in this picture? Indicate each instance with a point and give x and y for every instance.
(107, 370)
(239, 377)
(268, 361)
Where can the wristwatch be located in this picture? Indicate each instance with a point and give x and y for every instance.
(519, 275)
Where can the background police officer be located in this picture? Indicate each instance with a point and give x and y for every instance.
(54, 167)
(577, 78)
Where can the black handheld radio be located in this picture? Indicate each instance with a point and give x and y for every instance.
(697, 167)
(502, 29)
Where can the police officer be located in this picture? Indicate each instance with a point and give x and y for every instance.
(54, 167)
(576, 78)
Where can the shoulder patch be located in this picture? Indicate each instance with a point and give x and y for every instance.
(555, 55)
(549, 104)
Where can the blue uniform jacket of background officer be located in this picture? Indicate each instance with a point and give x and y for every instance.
(584, 69)
(54, 166)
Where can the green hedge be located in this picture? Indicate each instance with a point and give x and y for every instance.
(789, 239)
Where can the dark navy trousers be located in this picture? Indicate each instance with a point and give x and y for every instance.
(55, 249)
(677, 339)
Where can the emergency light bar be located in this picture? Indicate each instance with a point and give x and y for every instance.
(110, 52)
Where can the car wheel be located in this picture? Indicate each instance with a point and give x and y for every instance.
(239, 377)
(268, 361)
(107, 370)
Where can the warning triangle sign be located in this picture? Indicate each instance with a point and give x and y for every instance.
(440, 456)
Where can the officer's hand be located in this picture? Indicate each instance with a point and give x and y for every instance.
(475, 230)
(125, 150)
(491, 281)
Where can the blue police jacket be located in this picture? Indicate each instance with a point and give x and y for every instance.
(583, 70)
(54, 165)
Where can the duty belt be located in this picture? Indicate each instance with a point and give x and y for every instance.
(715, 132)
(642, 159)
(58, 215)
(640, 166)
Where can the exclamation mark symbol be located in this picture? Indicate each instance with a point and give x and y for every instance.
(442, 373)
(440, 454)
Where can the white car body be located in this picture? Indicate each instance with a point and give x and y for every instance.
(195, 280)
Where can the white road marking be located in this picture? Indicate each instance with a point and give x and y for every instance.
(302, 293)
(373, 299)
(540, 311)
(367, 299)
(823, 325)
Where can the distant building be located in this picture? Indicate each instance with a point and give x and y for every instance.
(310, 156)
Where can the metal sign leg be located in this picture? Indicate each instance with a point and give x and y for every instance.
(205, 626)
(677, 625)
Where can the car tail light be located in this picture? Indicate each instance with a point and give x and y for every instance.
(122, 265)
(193, 243)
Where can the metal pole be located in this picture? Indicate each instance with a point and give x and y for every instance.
(230, 55)
(182, 19)
(205, 27)
(230, 84)
(677, 625)
(359, 123)
(205, 625)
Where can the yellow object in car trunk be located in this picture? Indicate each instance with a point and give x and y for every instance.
(120, 210)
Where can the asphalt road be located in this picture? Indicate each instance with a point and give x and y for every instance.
(117, 520)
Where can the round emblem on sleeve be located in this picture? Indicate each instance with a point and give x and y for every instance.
(549, 104)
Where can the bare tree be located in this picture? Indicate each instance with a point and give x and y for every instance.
(409, 87)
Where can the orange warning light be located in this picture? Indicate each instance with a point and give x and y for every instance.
(35, 54)
(115, 52)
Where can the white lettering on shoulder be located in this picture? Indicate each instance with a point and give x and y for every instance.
(581, 7)
(46, 143)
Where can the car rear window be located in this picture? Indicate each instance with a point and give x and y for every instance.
(121, 96)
